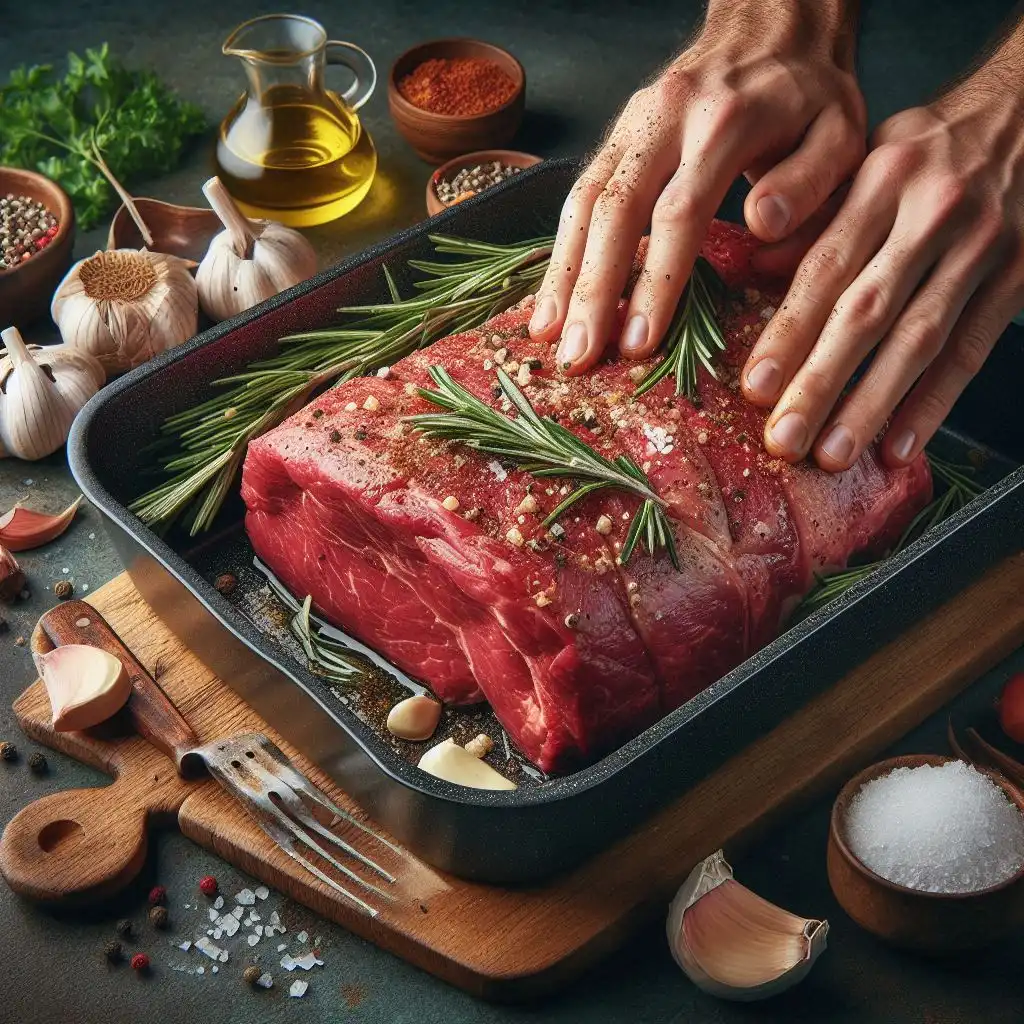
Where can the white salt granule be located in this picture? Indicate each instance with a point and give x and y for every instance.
(946, 828)
(262, 892)
(246, 898)
(298, 989)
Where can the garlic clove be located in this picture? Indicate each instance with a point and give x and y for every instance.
(12, 579)
(250, 260)
(480, 746)
(414, 718)
(733, 943)
(453, 763)
(85, 684)
(23, 529)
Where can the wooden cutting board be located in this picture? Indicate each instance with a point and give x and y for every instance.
(498, 943)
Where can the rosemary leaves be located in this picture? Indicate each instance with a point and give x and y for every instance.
(544, 448)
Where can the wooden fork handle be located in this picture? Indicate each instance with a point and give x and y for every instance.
(152, 714)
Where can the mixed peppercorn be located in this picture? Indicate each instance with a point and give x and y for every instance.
(471, 180)
(26, 228)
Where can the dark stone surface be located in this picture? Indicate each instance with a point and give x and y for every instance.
(582, 61)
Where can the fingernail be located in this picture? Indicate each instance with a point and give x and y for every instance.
(904, 445)
(544, 315)
(635, 334)
(790, 433)
(839, 444)
(774, 213)
(574, 344)
(765, 379)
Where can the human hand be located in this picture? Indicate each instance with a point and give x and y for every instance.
(767, 90)
(924, 260)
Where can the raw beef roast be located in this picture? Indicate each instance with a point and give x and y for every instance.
(436, 556)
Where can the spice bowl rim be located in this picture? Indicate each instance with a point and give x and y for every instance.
(65, 214)
(884, 767)
(434, 203)
(423, 49)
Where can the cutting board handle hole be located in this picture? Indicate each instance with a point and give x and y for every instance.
(57, 832)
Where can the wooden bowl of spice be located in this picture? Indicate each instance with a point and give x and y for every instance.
(927, 852)
(37, 233)
(453, 96)
(471, 173)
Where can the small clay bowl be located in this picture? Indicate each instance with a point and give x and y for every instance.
(439, 137)
(509, 157)
(184, 231)
(26, 290)
(934, 923)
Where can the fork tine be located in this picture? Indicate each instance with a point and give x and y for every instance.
(285, 843)
(273, 783)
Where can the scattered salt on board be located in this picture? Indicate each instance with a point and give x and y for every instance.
(945, 828)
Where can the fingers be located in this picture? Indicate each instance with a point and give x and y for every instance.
(782, 258)
(570, 242)
(913, 343)
(861, 317)
(984, 319)
(620, 215)
(788, 194)
(826, 271)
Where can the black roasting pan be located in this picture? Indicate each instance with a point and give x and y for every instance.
(535, 830)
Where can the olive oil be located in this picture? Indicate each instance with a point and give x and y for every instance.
(294, 157)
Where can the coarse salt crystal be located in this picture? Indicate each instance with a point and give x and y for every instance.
(282, 947)
(223, 958)
(238, 912)
(214, 969)
(231, 925)
(246, 898)
(302, 937)
(308, 962)
(262, 892)
(185, 946)
(287, 963)
(265, 980)
(371, 404)
(451, 503)
(384, 372)
(603, 525)
(298, 988)
(217, 932)
(213, 915)
(945, 828)
(497, 469)
(253, 939)
(218, 903)
(542, 600)
(514, 537)
(524, 376)
(210, 949)
(351, 407)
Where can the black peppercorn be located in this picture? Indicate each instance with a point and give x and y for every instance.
(226, 583)
(63, 589)
(360, 434)
(252, 974)
(159, 918)
(123, 928)
(317, 413)
(113, 951)
(335, 436)
(8, 751)
(37, 763)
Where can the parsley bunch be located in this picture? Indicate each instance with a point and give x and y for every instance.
(98, 122)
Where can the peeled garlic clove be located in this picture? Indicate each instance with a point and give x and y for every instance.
(732, 943)
(414, 718)
(23, 529)
(86, 685)
(453, 763)
(12, 579)
(250, 260)
(480, 746)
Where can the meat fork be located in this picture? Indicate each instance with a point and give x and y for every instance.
(248, 765)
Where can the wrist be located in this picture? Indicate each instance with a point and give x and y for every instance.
(788, 25)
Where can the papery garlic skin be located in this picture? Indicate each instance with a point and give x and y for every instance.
(125, 306)
(38, 407)
(250, 260)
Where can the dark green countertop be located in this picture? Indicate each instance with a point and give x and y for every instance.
(582, 61)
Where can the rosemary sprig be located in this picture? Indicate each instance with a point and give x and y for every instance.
(326, 657)
(202, 448)
(693, 336)
(959, 490)
(544, 448)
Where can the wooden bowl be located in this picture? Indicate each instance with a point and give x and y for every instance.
(509, 157)
(184, 231)
(925, 921)
(439, 137)
(26, 290)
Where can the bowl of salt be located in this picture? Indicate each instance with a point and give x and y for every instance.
(927, 853)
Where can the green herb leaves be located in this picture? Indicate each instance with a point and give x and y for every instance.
(97, 113)
(544, 448)
(693, 336)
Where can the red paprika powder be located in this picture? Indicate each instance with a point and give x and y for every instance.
(461, 86)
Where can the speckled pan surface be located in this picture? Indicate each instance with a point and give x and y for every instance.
(535, 830)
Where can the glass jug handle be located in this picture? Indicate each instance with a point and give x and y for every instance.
(358, 61)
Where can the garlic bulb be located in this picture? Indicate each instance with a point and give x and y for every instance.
(453, 763)
(41, 391)
(732, 943)
(125, 306)
(86, 685)
(249, 261)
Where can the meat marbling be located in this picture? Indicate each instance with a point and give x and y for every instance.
(574, 652)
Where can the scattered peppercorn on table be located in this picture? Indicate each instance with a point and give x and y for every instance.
(581, 66)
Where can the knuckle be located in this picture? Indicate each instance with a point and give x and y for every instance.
(970, 352)
(920, 339)
(893, 159)
(931, 406)
(950, 195)
(822, 263)
(867, 306)
(676, 206)
(615, 198)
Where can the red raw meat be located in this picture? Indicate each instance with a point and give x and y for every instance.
(574, 652)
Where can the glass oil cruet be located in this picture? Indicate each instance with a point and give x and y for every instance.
(290, 150)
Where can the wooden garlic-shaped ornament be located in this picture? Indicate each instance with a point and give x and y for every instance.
(41, 392)
(250, 260)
